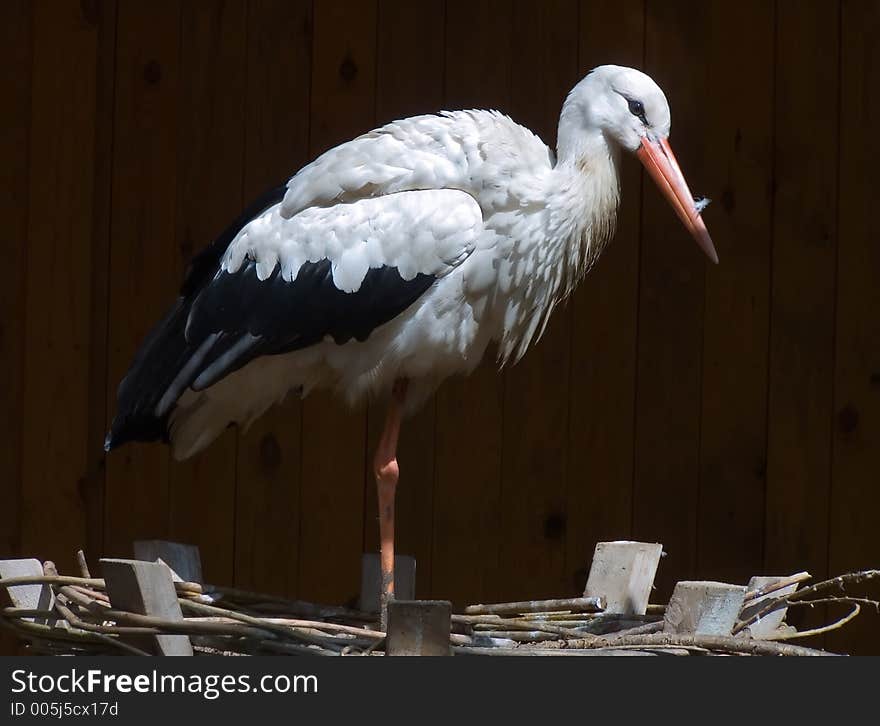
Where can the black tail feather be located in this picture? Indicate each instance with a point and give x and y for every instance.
(166, 350)
(154, 368)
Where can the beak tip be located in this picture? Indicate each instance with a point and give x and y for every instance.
(705, 243)
(658, 159)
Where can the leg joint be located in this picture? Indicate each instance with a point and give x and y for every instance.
(387, 472)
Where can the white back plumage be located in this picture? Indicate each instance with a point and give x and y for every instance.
(468, 196)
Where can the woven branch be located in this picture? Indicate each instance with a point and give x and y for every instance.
(230, 621)
(806, 595)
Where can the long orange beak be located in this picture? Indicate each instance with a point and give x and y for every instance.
(658, 159)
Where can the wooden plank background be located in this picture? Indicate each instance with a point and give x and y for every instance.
(730, 412)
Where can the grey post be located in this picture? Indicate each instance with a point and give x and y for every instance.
(371, 580)
(146, 588)
(183, 559)
(703, 608)
(418, 627)
(623, 574)
(771, 622)
(30, 597)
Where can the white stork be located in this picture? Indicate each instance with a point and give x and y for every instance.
(391, 262)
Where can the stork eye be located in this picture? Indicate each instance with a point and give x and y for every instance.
(637, 109)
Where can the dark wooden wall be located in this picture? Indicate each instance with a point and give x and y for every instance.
(730, 412)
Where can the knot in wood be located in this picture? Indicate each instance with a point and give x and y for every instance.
(89, 10)
(848, 419)
(728, 200)
(554, 525)
(270, 453)
(153, 72)
(348, 69)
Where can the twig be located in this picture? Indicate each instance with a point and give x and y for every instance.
(101, 631)
(856, 602)
(247, 623)
(83, 564)
(152, 625)
(519, 636)
(837, 599)
(840, 582)
(476, 650)
(496, 622)
(13, 612)
(856, 609)
(187, 588)
(602, 626)
(293, 649)
(727, 644)
(563, 618)
(480, 640)
(645, 629)
(669, 650)
(294, 606)
(308, 624)
(776, 586)
(95, 595)
(46, 632)
(75, 595)
(588, 604)
(256, 622)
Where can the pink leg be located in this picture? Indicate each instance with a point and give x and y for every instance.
(387, 473)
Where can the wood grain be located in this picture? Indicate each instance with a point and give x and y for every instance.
(409, 81)
(15, 52)
(211, 132)
(267, 511)
(58, 282)
(145, 268)
(738, 161)
(333, 435)
(534, 474)
(467, 487)
(671, 292)
(135, 130)
(802, 297)
(94, 482)
(855, 498)
(604, 314)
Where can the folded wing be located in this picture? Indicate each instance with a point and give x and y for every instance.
(332, 273)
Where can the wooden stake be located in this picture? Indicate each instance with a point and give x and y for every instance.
(146, 588)
(183, 559)
(371, 580)
(703, 608)
(622, 574)
(418, 627)
(30, 597)
(770, 623)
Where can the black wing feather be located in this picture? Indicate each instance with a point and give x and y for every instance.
(278, 316)
(223, 320)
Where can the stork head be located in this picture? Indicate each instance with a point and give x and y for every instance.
(628, 109)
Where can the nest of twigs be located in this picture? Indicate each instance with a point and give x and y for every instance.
(228, 621)
(571, 633)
